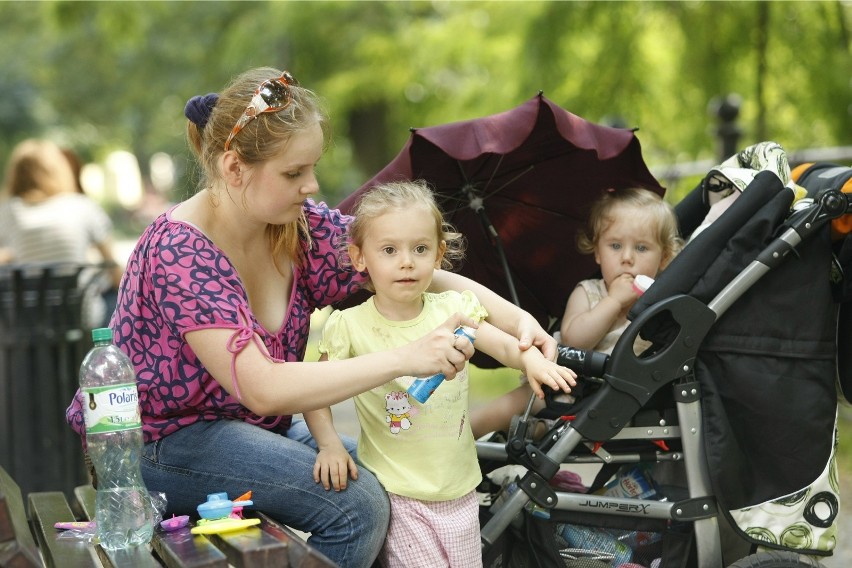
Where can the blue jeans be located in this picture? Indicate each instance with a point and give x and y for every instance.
(232, 456)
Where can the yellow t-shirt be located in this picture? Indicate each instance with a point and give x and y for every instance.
(426, 451)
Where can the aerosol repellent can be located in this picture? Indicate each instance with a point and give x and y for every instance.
(422, 389)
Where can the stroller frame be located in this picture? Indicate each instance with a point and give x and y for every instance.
(629, 383)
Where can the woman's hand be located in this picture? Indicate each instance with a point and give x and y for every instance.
(530, 333)
(441, 351)
(334, 466)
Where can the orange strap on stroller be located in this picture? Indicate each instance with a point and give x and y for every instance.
(841, 226)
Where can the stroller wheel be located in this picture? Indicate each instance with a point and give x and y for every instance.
(777, 559)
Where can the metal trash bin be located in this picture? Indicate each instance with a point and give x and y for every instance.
(42, 344)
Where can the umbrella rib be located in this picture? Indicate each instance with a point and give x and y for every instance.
(494, 173)
(502, 187)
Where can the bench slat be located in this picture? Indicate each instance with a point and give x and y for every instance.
(182, 549)
(136, 557)
(269, 544)
(17, 546)
(84, 505)
(46, 509)
(178, 549)
(299, 553)
(252, 547)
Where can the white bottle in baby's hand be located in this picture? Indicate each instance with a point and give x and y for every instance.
(642, 283)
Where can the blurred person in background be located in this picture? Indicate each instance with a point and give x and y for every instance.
(46, 219)
(76, 168)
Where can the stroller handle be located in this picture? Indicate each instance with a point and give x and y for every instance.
(584, 362)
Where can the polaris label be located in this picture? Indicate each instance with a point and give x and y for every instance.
(111, 409)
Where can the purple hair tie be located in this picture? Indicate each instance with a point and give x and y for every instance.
(198, 108)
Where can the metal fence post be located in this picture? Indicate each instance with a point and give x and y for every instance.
(726, 109)
(42, 344)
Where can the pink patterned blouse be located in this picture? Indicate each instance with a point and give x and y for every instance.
(178, 281)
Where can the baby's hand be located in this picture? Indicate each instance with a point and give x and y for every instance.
(333, 468)
(621, 290)
(540, 371)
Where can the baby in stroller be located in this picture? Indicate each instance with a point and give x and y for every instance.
(630, 232)
(740, 364)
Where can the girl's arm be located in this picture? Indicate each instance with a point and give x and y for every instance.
(271, 388)
(334, 465)
(536, 367)
(583, 327)
(501, 313)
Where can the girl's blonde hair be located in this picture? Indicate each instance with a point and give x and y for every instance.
(38, 170)
(261, 139)
(660, 212)
(393, 196)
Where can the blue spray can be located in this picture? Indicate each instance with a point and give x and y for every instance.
(422, 389)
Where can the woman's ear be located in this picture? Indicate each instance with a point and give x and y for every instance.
(232, 169)
(357, 258)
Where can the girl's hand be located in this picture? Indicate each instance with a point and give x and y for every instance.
(541, 371)
(333, 467)
(441, 351)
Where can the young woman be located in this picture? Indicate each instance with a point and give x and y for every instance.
(214, 311)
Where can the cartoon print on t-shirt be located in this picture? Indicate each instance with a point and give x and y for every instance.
(399, 411)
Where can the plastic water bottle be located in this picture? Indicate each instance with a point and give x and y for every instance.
(422, 389)
(124, 514)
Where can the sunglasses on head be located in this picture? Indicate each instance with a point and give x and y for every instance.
(271, 96)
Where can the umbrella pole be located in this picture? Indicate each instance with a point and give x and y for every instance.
(475, 203)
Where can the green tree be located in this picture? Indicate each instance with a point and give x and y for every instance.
(106, 75)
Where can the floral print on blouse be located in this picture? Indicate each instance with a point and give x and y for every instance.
(178, 281)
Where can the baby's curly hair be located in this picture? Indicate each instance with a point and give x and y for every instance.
(600, 217)
(405, 195)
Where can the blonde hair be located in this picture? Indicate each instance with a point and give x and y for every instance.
(260, 140)
(38, 170)
(660, 212)
(394, 196)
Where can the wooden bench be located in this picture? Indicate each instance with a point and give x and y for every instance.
(29, 539)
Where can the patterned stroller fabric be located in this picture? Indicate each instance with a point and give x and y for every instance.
(724, 183)
(767, 368)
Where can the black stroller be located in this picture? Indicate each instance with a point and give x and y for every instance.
(736, 400)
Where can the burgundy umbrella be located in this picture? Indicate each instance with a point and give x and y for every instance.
(518, 185)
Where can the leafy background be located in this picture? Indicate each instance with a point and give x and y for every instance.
(102, 76)
(106, 76)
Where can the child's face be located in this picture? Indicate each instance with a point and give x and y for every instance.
(629, 245)
(400, 251)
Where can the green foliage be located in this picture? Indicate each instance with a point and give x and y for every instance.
(105, 75)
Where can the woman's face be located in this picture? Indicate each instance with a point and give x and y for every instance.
(278, 187)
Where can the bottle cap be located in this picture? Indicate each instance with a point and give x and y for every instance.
(102, 334)
(468, 332)
(642, 283)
